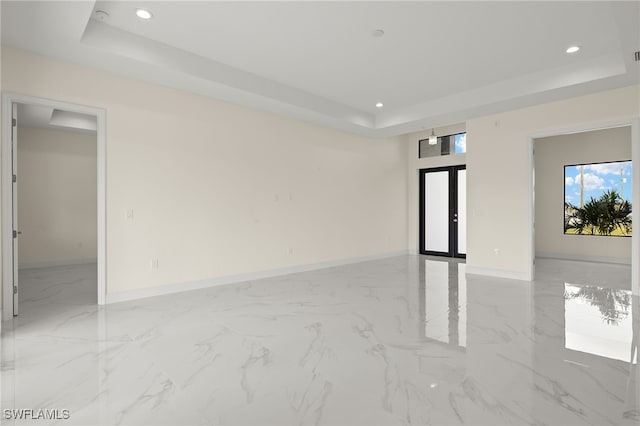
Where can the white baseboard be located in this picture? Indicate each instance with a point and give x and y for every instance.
(596, 259)
(499, 273)
(62, 262)
(230, 279)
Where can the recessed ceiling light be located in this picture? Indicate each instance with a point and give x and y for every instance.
(573, 49)
(144, 14)
(377, 33)
(379, 105)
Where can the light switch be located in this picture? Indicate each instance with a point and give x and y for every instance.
(130, 214)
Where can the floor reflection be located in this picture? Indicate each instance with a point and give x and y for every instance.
(586, 335)
(406, 340)
(563, 348)
(599, 321)
(445, 301)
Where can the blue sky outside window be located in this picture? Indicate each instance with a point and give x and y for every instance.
(598, 178)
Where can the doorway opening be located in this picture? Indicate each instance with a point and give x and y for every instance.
(443, 211)
(583, 202)
(53, 201)
(592, 164)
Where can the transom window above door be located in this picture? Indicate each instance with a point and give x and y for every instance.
(442, 145)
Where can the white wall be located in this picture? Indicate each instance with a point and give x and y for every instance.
(499, 173)
(218, 189)
(57, 196)
(551, 155)
(415, 164)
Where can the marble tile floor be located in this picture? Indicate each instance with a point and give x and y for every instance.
(405, 340)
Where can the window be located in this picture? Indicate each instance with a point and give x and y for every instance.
(597, 199)
(446, 145)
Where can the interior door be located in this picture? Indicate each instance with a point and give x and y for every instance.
(443, 211)
(14, 155)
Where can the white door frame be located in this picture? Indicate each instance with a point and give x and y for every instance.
(634, 123)
(7, 201)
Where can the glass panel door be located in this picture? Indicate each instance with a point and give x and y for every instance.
(436, 212)
(443, 211)
(461, 212)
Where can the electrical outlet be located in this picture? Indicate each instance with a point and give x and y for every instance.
(154, 263)
(130, 214)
